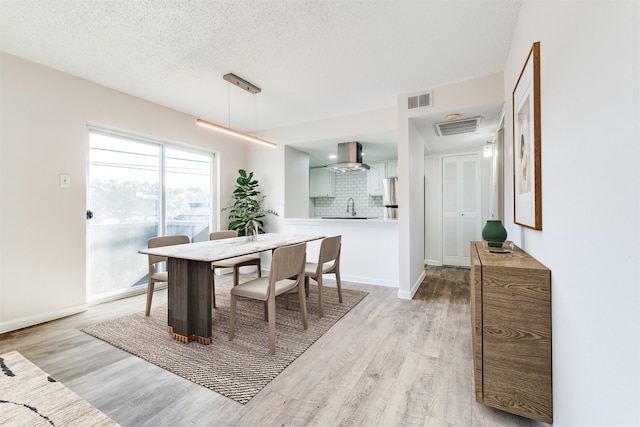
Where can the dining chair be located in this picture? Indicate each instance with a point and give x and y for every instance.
(234, 263)
(328, 263)
(154, 274)
(287, 273)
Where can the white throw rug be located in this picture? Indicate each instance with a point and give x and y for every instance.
(30, 397)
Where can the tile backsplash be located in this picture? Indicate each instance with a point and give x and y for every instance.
(349, 184)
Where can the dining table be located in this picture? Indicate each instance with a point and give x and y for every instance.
(190, 278)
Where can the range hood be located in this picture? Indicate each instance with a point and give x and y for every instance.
(349, 158)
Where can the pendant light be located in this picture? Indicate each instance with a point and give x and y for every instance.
(251, 88)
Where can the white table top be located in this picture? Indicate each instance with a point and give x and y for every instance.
(216, 250)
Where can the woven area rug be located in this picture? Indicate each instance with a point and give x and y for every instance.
(237, 369)
(30, 397)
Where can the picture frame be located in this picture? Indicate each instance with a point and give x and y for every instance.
(527, 146)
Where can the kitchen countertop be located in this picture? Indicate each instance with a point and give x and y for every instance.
(351, 220)
(350, 217)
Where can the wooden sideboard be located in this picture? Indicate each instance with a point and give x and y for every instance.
(511, 332)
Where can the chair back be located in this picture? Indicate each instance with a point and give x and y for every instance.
(224, 234)
(287, 262)
(330, 250)
(156, 242)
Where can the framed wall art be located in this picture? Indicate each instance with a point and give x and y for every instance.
(527, 182)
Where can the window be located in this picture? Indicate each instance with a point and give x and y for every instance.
(140, 189)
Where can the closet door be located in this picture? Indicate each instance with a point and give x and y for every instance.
(460, 207)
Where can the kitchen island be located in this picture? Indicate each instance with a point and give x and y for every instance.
(369, 246)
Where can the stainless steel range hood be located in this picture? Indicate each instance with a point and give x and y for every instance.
(349, 158)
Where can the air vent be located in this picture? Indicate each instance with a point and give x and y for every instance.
(419, 101)
(458, 126)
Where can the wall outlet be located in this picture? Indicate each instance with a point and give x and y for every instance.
(65, 180)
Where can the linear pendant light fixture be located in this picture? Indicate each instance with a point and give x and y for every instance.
(251, 88)
(235, 133)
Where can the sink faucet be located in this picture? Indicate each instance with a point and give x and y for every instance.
(353, 206)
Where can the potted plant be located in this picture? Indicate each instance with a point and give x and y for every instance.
(246, 213)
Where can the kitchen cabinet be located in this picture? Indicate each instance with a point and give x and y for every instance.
(322, 183)
(392, 168)
(511, 332)
(375, 175)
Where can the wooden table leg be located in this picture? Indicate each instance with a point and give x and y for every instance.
(189, 300)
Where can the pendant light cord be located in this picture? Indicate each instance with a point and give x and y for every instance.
(256, 118)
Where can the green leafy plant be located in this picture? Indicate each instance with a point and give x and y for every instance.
(248, 204)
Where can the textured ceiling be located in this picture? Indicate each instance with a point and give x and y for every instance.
(312, 59)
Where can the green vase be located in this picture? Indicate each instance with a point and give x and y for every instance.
(494, 233)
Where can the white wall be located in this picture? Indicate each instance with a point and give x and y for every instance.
(590, 238)
(411, 202)
(268, 167)
(433, 209)
(296, 182)
(43, 132)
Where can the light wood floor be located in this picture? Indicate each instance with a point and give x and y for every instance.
(388, 362)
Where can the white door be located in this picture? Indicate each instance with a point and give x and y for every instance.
(460, 207)
(139, 189)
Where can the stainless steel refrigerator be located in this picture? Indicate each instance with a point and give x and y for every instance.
(390, 198)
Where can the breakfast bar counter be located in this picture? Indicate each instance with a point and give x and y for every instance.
(369, 246)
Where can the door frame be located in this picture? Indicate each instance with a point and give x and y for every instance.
(162, 224)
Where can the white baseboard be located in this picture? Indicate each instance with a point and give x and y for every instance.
(366, 280)
(414, 287)
(27, 321)
(434, 262)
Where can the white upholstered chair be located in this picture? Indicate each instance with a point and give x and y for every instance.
(328, 263)
(234, 263)
(286, 274)
(154, 274)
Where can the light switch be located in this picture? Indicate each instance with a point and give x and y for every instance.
(65, 180)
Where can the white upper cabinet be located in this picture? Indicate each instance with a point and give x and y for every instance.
(322, 183)
(392, 168)
(375, 175)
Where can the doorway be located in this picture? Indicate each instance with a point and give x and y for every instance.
(139, 189)
(461, 207)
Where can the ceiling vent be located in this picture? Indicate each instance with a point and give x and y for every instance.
(458, 126)
(419, 101)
